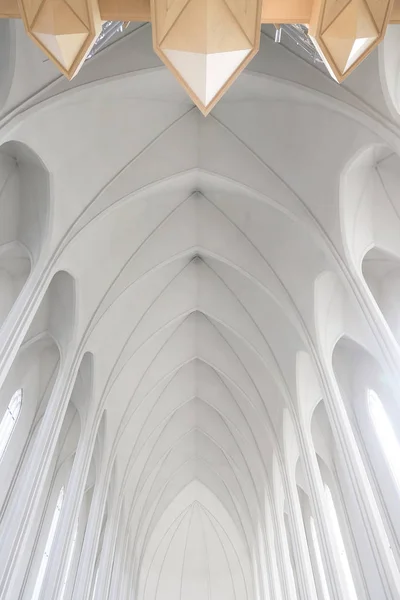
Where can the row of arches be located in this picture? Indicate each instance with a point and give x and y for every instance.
(57, 488)
(32, 379)
(283, 478)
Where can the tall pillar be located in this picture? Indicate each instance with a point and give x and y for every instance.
(302, 560)
(287, 583)
(108, 555)
(124, 583)
(69, 514)
(126, 576)
(312, 473)
(389, 584)
(20, 317)
(387, 342)
(20, 517)
(265, 562)
(86, 565)
(258, 588)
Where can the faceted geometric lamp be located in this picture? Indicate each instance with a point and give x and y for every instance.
(64, 29)
(345, 31)
(206, 43)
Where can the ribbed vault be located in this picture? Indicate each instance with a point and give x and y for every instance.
(197, 377)
(210, 286)
(196, 321)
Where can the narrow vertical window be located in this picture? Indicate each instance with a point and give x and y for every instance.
(385, 434)
(9, 421)
(319, 561)
(340, 546)
(49, 543)
(96, 581)
(69, 561)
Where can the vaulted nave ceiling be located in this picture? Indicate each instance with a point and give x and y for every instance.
(208, 255)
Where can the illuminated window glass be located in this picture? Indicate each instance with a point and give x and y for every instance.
(49, 543)
(9, 421)
(69, 561)
(386, 435)
(96, 581)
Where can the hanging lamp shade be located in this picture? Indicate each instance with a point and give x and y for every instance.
(346, 31)
(206, 43)
(64, 29)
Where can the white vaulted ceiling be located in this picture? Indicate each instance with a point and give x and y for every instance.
(195, 245)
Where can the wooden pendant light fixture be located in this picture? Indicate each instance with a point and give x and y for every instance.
(207, 43)
(64, 29)
(345, 31)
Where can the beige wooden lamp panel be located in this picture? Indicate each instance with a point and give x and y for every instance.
(206, 43)
(345, 31)
(65, 30)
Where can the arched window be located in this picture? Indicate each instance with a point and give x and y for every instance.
(318, 560)
(9, 421)
(49, 543)
(69, 561)
(386, 435)
(339, 546)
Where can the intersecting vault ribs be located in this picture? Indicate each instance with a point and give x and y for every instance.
(206, 43)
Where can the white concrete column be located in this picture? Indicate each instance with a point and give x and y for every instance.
(20, 317)
(287, 567)
(256, 568)
(108, 556)
(386, 577)
(265, 562)
(312, 473)
(20, 517)
(123, 584)
(315, 553)
(388, 345)
(305, 579)
(387, 342)
(277, 584)
(86, 565)
(76, 487)
(287, 583)
(123, 580)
